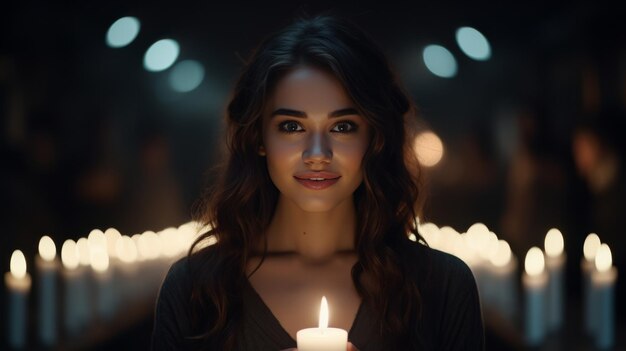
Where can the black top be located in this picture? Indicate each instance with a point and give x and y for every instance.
(451, 314)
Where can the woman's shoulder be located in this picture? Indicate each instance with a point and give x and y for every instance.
(177, 282)
(431, 265)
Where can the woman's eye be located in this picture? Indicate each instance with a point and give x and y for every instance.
(289, 127)
(345, 127)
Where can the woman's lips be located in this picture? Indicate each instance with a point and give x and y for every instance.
(317, 180)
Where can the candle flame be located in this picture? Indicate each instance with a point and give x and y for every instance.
(323, 314)
(534, 263)
(18, 264)
(604, 258)
(554, 243)
(590, 247)
(47, 249)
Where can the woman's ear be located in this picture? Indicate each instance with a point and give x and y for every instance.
(261, 150)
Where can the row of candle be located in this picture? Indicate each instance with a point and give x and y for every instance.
(100, 274)
(495, 269)
(115, 261)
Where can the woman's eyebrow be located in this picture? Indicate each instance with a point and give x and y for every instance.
(300, 114)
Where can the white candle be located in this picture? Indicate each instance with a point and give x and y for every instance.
(590, 247)
(18, 284)
(503, 269)
(322, 338)
(77, 309)
(47, 268)
(555, 262)
(103, 279)
(126, 251)
(603, 281)
(535, 282)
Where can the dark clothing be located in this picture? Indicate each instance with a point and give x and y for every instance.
(451, 314)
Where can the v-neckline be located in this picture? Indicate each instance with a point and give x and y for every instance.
(266, 310)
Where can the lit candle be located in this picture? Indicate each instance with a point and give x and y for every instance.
(535, 282)
(103, 278)
(503, 269)
(18, 283)
(603, 282)
(47, 267)
(590, 247)
(126, 251)
(76, 303)
(555, 263)
(322, 338)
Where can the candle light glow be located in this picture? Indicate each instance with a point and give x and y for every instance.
(554, 243)
(591, 245)
(502, 255)
(18, 264)
(604, 258)
(47, 249)
(534, 263)
(69, 254)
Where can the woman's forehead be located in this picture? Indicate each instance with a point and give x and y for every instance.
(309, 89)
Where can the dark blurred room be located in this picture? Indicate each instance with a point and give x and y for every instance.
(94, 138)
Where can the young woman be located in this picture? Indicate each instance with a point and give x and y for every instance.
(317, 197)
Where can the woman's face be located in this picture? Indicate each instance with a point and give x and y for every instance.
(314, 140)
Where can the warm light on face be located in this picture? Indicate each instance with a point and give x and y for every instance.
(323, 313)
(18, 264)
(534, 263)
(604, 258)
(47, 249)
(329, 135)
(502, 255)
(590, 247)
(554, 243)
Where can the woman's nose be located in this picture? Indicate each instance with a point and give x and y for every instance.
(318, 149)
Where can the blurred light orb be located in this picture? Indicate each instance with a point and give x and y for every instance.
(186, 76)
(439, 61)
(502, 255)
(161, 55)
(473, 43)
(122, 32)
(534, 263)
(590, 246)
(429, 148)
(604, 258)
(553, 243)
(69, 254)
(83, 251)
(47, 249)
(18, 264)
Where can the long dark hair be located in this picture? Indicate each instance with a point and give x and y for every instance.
(241, 204)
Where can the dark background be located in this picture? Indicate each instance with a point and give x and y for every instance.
(92, 140)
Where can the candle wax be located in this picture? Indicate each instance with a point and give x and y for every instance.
(322, 339)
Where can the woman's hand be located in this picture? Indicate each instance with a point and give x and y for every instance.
(349, 348)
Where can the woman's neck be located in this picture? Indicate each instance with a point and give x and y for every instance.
(314, 236)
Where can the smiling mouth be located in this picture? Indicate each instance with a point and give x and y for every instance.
(317, 183)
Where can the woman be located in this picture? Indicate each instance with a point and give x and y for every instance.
(317, 198)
